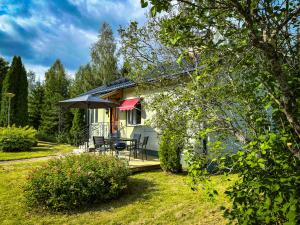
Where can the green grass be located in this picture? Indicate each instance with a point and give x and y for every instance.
(152, 198)
(43, 149)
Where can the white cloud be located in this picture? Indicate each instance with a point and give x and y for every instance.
(120, 10)
(40, 71)
(46, 34)
(6, 26)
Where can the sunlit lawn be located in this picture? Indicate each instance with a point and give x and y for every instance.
(152, 198)
(43, 149)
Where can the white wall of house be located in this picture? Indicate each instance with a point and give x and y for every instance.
(126, 129)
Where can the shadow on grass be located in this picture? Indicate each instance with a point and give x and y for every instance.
(138, 190)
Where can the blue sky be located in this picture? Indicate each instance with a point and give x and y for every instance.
(41, 31)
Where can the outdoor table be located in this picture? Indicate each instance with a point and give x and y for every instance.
(112, 140)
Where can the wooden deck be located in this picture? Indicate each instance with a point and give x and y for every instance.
(139, 164)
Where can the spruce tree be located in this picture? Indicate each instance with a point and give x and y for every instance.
(35, 105)
(15, 82)
(78, 124)
(56, 88)
(103, 54)
(3, 70)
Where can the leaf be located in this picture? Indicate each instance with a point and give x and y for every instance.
(291, 215)
(178, 61)
(144, 4)
(153, 11)
(175, 39)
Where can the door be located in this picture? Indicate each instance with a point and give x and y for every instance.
(114, 120)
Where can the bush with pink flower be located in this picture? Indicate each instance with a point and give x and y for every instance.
(76, 180)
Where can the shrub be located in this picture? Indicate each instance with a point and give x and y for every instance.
(63, 138)
(42, 136)
(171, 145)
(76, 180)
(269, 186)
(16, 139)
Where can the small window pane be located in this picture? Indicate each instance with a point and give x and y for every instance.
(92, 115)
(96, 115)
(138, 114)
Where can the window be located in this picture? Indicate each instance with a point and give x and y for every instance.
(134, 116)
(93, 115)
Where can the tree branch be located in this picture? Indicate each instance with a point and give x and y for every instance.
(293, 14)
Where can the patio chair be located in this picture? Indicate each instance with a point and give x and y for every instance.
(100, 144)
(143, 147)
(133, 146)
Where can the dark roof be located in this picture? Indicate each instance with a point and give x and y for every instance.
(115, 85)
(163, 71)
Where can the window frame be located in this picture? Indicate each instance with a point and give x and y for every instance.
(134, 116)
(93, 116)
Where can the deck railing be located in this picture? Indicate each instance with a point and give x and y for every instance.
(99, 129)
(85, 137)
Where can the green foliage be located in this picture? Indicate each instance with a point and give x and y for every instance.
(246, 93)
(3, 70)
(78, 126)
(84, 81)
(35, 105)
(56, 88)
(170, 148)
(103, 54)
(15, 82)
(42, 136)
(269, 186)
(17, 139)
(73, 181)
(228, 45)
(63, 137)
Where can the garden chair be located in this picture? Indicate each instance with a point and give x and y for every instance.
(100, 144)
(134, 145)
(143, 147)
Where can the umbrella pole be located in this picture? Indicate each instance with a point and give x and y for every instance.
(110, 120)
(88, 126)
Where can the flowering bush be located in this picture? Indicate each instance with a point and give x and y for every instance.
(76, 180)
(16, 139)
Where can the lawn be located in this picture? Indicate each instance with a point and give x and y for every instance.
(43, 149)
(152, 198)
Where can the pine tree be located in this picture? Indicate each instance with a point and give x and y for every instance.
(15, 82)
(35, 105)
(103, 54)
(3, 70)
(54, 118)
